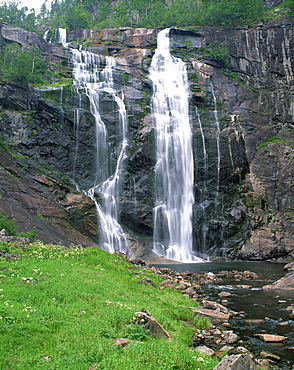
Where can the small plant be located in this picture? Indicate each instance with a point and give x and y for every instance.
(9, 224)
(273, 139)
(202, 322)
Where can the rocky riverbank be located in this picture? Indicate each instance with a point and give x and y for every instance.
(221, 337)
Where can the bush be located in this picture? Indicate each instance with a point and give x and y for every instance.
(9, 224)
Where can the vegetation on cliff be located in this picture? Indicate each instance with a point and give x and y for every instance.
(22, 67)
(72, 14)
(63, 308)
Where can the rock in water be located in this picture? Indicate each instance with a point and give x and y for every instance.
(285, 283)
(271, 337)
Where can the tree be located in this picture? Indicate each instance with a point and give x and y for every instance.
(77, 17)
(22, 67)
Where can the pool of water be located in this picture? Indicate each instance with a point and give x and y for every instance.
(266, 307)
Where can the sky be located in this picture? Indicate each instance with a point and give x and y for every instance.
(36, 4)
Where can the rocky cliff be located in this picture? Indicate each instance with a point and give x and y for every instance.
(241, 108)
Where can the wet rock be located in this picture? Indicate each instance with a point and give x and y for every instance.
(214, 306)
(285, 283)
(193, 290)
(229, 337)
(289, 266)
(270, 356)
(213, 315)
(254, 321)
(236, 362)
(270, 337)
(224, 294)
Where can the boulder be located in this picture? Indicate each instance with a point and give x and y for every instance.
(145, 319)
(236, 362)
(285, 283)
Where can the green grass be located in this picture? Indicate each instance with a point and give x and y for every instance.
(69, 304)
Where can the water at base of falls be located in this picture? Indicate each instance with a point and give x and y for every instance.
(174, 172)
(94, 81)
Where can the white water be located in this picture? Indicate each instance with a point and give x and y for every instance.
(90, 79)
(45, 36)
(61, 36)
(174, 170)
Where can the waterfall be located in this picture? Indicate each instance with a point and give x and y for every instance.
(45, 36)
(95, 82)
(174, 172)
(60, 36)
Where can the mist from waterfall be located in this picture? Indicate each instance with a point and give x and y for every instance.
(174, 170)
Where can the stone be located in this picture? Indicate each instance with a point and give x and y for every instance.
(3, 232)
(236, 362)
(289, 266)
(224, 294)
(270, 356)
(270, 337)
(285, 283)
(229, 336)
(213, 315)
(214, 306)
(182, 286)
(146, 280)
(205, 350)
(122, 341)
(168, 283)
(145, 319)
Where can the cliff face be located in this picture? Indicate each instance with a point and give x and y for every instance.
(242, 116)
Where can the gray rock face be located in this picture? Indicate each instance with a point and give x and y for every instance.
(248, 204)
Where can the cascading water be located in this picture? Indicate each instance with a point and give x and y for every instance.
(174, 170)
(60, 35)
(90, 79)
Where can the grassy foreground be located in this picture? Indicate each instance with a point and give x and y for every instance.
(61, 308)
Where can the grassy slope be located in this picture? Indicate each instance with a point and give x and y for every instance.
(69, 304)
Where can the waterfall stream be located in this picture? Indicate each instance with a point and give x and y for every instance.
(174, 169)
(95, 82)
(174, 172)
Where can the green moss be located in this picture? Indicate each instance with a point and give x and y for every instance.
(273, 139)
